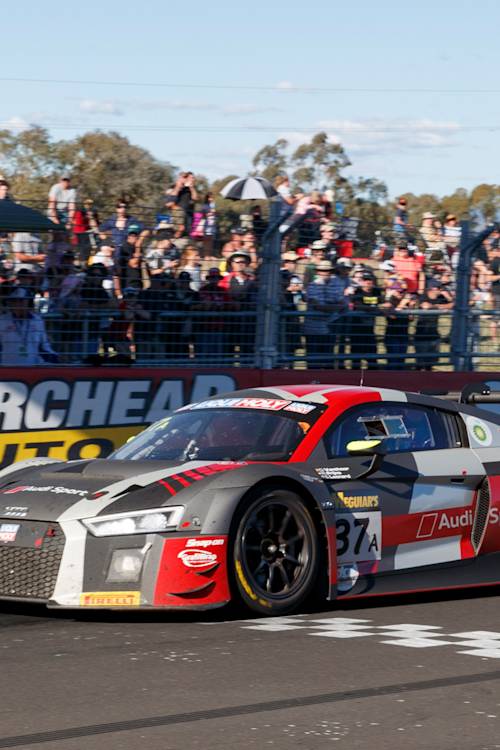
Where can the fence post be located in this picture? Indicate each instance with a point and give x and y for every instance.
(461, 310)
(269, 295)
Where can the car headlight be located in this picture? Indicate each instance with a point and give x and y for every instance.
(151, 521)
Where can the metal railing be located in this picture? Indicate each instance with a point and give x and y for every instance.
(412, 339)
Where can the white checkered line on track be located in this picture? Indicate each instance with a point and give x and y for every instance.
(484, 643)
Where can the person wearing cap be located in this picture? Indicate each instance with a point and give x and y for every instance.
(397, 304)
(23, 338)
(105, 255)
(119, 223)
(151, 331)
(210, 342)
(131, 268)
(317, 249)
(431, 232)
(292, 305)
(427, 338)
(326, 303)
(208, 226)
(159, 255)
(366, 301)
(427, 227)
(234, 244)
(62, 202)
(181, 330)
(242, 293)
(327, 233)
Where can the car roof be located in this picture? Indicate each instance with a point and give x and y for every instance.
(317, 393)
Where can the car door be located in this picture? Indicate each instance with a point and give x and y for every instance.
(416, 509)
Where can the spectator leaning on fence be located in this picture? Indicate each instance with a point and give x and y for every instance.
(213, 299)
(397, 304)
(427, 336)
(23, 338)
(326, 300)
(366, 301)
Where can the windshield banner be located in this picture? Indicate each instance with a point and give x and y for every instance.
(88, 412)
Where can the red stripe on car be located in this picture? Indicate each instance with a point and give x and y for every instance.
(337, 406)
(179, 478)
(421, 527)
(168, 486)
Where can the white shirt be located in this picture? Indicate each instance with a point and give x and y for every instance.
(62, 197)
(22, 340)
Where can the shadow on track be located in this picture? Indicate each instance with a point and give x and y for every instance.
(22, 613)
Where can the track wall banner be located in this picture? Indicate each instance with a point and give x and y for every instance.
(70, 414)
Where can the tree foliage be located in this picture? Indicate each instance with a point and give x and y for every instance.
(318, 164)
(104, 166)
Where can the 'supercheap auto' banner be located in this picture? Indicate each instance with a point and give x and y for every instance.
(86, 413)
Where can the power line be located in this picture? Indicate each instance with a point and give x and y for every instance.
(277, 88)
(356, 130)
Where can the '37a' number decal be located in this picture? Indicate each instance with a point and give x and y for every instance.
(359, 536)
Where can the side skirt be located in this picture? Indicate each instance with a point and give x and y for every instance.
(480, 571)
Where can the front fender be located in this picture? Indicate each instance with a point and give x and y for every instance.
(218, 505)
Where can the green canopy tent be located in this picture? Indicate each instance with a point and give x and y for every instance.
(14, 217)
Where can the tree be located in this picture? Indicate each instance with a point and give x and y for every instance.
(318, 164)
(29, 162)
(485, 199)
(103, 166)
(272, 161)
(457, 203)
(106, 165)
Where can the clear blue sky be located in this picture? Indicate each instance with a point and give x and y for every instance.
(425, 141)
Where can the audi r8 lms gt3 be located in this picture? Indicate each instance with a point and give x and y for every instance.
(266, 496)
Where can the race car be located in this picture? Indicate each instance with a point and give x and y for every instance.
(264, 497)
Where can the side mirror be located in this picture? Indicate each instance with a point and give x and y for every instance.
(374, 448)
(365, 448)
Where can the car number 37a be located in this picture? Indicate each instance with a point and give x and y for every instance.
(359, 536)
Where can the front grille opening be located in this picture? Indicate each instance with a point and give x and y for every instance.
(481, 516)
(30, 573)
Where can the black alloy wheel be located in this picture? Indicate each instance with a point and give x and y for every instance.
(275, 553)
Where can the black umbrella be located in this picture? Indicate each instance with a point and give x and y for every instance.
(14, 217)
(248, 188)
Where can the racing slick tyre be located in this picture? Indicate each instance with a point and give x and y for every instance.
(275, 553)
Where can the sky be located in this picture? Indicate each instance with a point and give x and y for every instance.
(411, 90)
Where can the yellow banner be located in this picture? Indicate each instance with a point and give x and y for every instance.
(68, 445)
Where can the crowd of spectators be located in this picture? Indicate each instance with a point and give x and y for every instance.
(113, 286)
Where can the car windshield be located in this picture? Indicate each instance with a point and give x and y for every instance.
(220, 435)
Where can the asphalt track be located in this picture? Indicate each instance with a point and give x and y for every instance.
(388, 674)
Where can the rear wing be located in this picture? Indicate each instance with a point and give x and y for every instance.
(479, 393)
